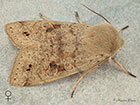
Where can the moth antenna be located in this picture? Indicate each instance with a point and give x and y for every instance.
(118, 63)
(43, 17)
(96, 13)
(78, 18)
(123, 28)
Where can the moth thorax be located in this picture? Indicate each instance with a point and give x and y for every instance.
(103, 38)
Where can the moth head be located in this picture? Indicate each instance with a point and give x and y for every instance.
(103, 37)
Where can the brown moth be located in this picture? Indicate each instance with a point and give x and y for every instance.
(50, 50)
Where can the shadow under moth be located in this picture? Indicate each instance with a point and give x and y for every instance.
(50, 50)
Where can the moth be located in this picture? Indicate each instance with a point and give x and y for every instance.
(50, 50)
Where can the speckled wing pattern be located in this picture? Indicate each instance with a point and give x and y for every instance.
(48, 51)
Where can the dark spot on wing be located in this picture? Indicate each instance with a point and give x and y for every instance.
(30, 65)
(49, 29)
(26, 33)
(53, 65)
(28, 69)
(21, 22)
(57, 26)
(61, 68)
(51, 45)
(101, 54)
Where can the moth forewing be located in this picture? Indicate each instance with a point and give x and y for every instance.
(26, 33)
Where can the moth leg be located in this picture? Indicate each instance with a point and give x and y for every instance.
(82, 76)
(77, 18)
(123, 28)
(43, 17)
(118, 63)
(87, 72)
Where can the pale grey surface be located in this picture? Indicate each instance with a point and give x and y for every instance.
(108, 85)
